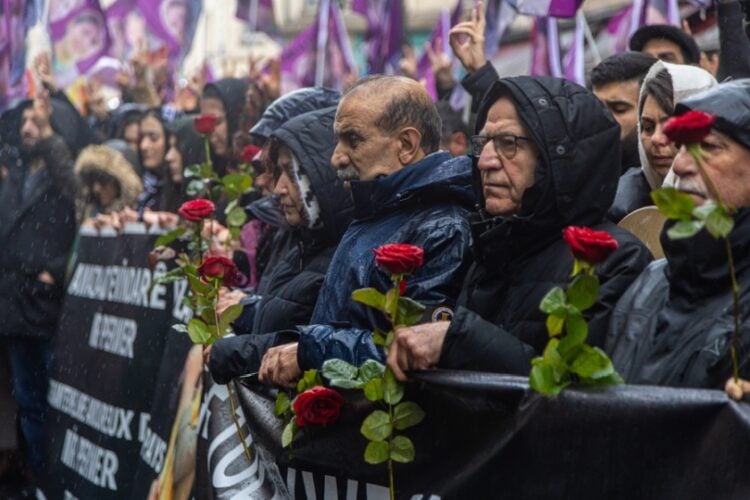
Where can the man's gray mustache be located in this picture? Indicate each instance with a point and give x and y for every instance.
(348, 174)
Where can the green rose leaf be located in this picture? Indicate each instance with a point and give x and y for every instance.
(409, 311)
(230, 314)
(179, 327)
(402, 450)
(685, 229)
(195, 186)
(373, 389)
(309, 379)
(583, 292)
(719, 223)
(370, 369)
(407, 414)
(239, 183)
(393, 390)
(576, 327)
(166, 239)
(377, 426)
(543, 378)
(592, 362)
(378, 338)
(198, 331)
(370, 297)
(197, 285)
(288, 434)
(673, 204)
(703, 211)
(391, 303)
(553, 302)
(337, 369)
(236, 217)
(193, 170)
(376, 452)
(555, 325)
(282, 403)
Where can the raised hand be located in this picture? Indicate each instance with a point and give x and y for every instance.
(467, 40)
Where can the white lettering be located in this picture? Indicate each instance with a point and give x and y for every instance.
(125, 285)
(94, 463)
(98, 415)
(113, 334)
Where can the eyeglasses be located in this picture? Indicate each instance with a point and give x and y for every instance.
(505, 144)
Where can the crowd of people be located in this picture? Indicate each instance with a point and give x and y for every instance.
(338, 174)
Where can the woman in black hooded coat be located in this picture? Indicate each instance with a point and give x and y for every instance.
(292, 288)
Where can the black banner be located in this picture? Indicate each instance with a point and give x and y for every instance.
(109, 347)
(489, 436)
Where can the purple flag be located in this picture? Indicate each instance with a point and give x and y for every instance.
(14, 23)
(258, 14)
(79, 36)
(574, 58)
(545, 58)
(499, 15)
(320, 55)
(384, 33)
(552, 8)
(171, 23)
(440, 31)
(641, 13)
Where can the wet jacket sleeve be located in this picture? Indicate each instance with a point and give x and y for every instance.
(477, 83)
(436, 283)
(734, 47)
(232, 357)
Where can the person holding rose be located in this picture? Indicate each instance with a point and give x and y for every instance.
(317, 210)
(404, 190)
(674, 325)
(547, 156)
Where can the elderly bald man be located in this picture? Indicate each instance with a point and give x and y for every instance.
(404, 191)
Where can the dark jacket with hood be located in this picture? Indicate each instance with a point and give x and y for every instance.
(293, 286)
(673, 326)
(424, 204)
(497, 325)
(231, 91)
(37, 228)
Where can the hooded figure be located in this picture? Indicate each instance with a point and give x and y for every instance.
(108, 182)
(675, 82)
(230, 92)
(497, 325)
(294, 283)
(673, 326)
(293, 104)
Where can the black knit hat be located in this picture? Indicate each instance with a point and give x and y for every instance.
(687, 44)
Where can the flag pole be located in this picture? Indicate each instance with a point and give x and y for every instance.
(590, 38)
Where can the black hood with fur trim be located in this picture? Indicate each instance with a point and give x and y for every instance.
(578, 169)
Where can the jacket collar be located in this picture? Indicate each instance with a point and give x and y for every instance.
(389, 192)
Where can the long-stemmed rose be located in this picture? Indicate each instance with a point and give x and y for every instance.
(205, 124)
(317, 406)
(197, 210)
(689, 129)
(567, 358)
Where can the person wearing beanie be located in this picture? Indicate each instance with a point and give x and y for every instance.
(674, 325)
(668, 43)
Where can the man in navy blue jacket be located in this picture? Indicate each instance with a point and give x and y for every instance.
(404, 191)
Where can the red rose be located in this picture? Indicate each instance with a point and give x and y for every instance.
(589, 245)
(220, 267)
(197, 210)
(317, 406)
(689, 128)
(399, 258)
(402, 287)
(248, 154)
(204, 124)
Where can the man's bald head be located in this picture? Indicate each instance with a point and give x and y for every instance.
(402, 102)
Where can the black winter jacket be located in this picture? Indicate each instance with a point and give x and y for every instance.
(289, 295)
(632, 193)
(673, 326)
(36, 235)
(497, 325)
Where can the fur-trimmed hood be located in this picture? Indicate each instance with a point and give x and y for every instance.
(109, 161)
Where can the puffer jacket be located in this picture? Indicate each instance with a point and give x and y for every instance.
(497, 325)
(289, 295)
(633, 191)
(424, 204)
(673, 326)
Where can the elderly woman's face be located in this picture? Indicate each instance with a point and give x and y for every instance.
(726, 162)
(288, 191)
(507, 173)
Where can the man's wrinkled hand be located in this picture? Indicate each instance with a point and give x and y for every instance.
(737, 390)
(467, 40)
(416, 347)
(279, 367)
(228, 298)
